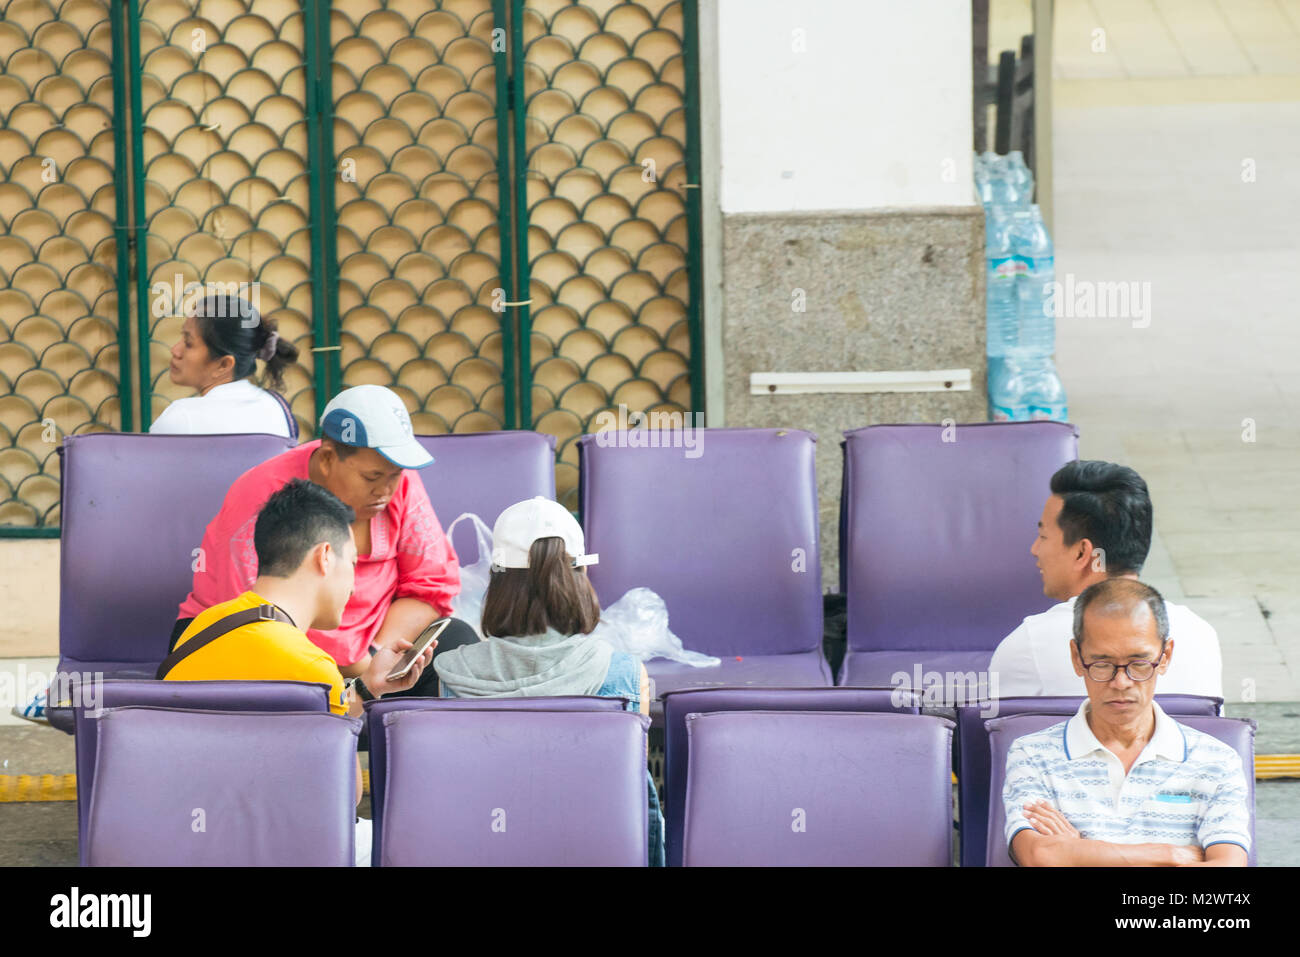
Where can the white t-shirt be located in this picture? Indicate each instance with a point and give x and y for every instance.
(234, 407)
(1034, 660)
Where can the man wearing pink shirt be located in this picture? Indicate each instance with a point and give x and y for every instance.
(407, 572)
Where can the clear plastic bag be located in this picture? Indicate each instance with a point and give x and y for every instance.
(636, 624)
(468, 604)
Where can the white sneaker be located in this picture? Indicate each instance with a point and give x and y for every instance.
(34, 709)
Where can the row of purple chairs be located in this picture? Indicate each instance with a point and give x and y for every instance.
(735, 758)
(150, 497)
(730, 540)
(543, 782)
(979, 770)
(727, 535)
(212, 773)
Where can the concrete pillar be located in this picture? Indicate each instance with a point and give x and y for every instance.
(846, 225)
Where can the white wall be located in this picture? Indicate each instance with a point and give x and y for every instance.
(874, 111)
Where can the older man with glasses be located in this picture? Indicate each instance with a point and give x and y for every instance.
(1121, 783)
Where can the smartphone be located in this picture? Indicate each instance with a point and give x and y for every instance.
(427, 637)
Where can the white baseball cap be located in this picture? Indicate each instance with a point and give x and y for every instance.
(370, 416)
(525, 522)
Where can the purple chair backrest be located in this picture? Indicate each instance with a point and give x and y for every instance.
(679, 704)
(375, 711)
(1237, 733)
(935, 528)
(728, 538)
(134, 511)
(973, 754)
(269, 789)
(485, 473)
(188, 695)
(515, 788)
(818, 789)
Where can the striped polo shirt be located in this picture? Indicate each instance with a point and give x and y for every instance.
(1186, 787)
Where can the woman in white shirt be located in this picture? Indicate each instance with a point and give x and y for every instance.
(217, 355)
(218, 352)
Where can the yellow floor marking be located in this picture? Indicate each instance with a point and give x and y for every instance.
(32, 788)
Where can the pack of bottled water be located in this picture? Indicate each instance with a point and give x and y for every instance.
(1020, 266)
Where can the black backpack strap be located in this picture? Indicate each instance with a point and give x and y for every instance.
(288, 414)
(218, 628)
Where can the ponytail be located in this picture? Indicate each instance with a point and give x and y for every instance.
(277, 352)
(231, 326)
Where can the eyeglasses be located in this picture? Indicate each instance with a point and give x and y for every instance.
(1103, 671)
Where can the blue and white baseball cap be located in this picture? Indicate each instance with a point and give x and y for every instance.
(372, 417)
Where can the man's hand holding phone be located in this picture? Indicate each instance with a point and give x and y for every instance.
(398, 668)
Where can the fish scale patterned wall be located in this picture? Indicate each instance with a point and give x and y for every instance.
(59, 359)
(226, 181)
(599, 234)
(607, 242)
(415, 128)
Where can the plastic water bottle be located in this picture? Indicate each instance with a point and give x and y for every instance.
(1040, 390)
(1005, 393)
(1020, 266)
(1005, 195)
(1021, 176)
(1001, 303)
(1036, 270)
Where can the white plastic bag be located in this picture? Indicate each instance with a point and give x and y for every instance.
(638, 624)
(468, 604)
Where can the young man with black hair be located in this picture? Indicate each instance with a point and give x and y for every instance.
(306, 559)
(306, 563)
(1096, 525)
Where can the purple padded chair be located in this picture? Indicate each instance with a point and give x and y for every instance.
(514, 788)
(268, 789)
(818, 789)
(188, 695)
(134, 510)
(485, 473)
(1237, 733)
(935, 528)
(374, 719)
(973, 754)
(679, 704)
(727, 538)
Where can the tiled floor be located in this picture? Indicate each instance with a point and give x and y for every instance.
(1200, 400)
(1132, 39)
(1194, 196)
